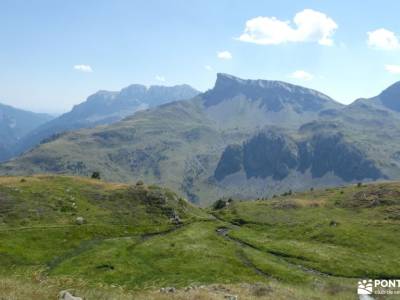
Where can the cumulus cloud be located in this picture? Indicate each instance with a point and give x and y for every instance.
(301, 75)
(208, 68)
(383, 39)
(83, 68)
(224, 55)
(393, 69)
(309, 26)
(160, 78)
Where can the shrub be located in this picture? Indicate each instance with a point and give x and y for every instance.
(333, 223)
(239, 221)
(287, 193)
(219, 204)
(96, 175)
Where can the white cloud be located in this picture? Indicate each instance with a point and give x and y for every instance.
(383, 39)
(160, 78)
(310, 26)
(208, 68)
(83, 68)
(302, 75)
(394, 69)
(224, 55)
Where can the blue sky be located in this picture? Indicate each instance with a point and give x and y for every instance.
(54, 53)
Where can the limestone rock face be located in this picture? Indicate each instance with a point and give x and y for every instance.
(271, 154)
(65, 295)
(230, 162)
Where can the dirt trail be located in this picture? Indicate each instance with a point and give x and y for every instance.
(224, 231)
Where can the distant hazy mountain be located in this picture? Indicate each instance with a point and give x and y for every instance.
(243, 138)
(106, 107)
(14, 125)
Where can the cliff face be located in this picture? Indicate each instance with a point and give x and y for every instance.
(271, 154)
(231, 161)
(331, 153)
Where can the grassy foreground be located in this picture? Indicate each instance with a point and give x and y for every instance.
(113, 241)
(17, 289)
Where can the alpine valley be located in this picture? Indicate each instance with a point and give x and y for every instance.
(241, 139)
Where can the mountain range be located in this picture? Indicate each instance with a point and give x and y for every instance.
(242, 138)
(15, 124)
(105, 107)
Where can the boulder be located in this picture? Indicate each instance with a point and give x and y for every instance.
(65, 295)
(175, 219)
(168, 290)
(80, 220)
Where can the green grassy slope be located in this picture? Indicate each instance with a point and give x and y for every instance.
(40, 214)
(314, 244)
(343, 232)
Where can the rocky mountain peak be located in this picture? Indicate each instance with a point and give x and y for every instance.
(134, 90)
(226, 81)
(106, 107)
(273, 94)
